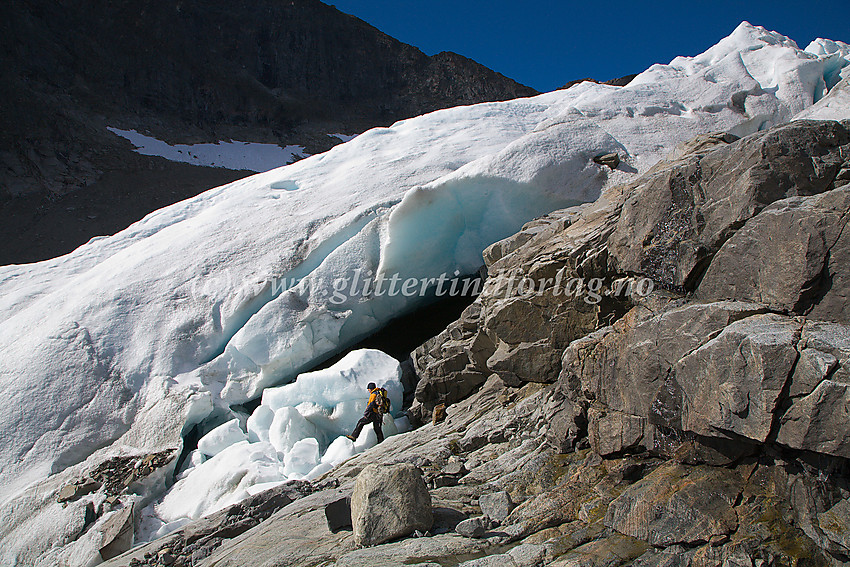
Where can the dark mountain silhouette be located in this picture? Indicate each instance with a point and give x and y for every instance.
(186, 71)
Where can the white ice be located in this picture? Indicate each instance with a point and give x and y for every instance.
(339, 450)
(132, 339)
(222, 480)
(221, 438)
(302, 458)
(288, 427)
(291, 439)
(251, 156)
(836, 58)
(834, 106)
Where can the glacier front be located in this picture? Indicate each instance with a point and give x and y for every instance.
(120, 347)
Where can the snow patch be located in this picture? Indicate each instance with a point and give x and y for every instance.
(251, 156)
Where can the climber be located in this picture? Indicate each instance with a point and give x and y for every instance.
(376, 408)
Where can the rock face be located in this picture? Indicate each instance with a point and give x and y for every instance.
(803, 248)
(818, 416)
(389, 502)
(733, 383)
(572, 272)
(700, 201)
(675, 505)
(278, 72)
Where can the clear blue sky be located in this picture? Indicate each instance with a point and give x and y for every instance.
(544, 44)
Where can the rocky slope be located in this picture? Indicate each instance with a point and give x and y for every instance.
(690, 409)
(186, 72)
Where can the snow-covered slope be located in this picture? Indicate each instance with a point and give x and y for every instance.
(126, 342)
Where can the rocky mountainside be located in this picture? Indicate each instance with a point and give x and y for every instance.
(186, 71)
(618, 82)
(657, 378)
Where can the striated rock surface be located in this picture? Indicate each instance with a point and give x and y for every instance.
(733, 383)
(678, 505)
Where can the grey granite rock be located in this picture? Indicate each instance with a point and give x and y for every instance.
(496, 505)
(733, 383)
(389, 501)
(611, 432)
(818, 418)
(624, 367)
(472, 527)
(118, 532)
(835, 524)
(793, 256)
(682, 212)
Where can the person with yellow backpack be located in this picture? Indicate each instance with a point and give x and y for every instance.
(378, 405)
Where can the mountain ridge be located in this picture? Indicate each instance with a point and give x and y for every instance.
(186, 71)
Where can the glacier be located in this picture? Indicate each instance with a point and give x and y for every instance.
(124, 345)
(296, 433)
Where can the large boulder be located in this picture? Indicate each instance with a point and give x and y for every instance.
(389, 501)
(496, 505)
(472, 527)
(118, 532)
